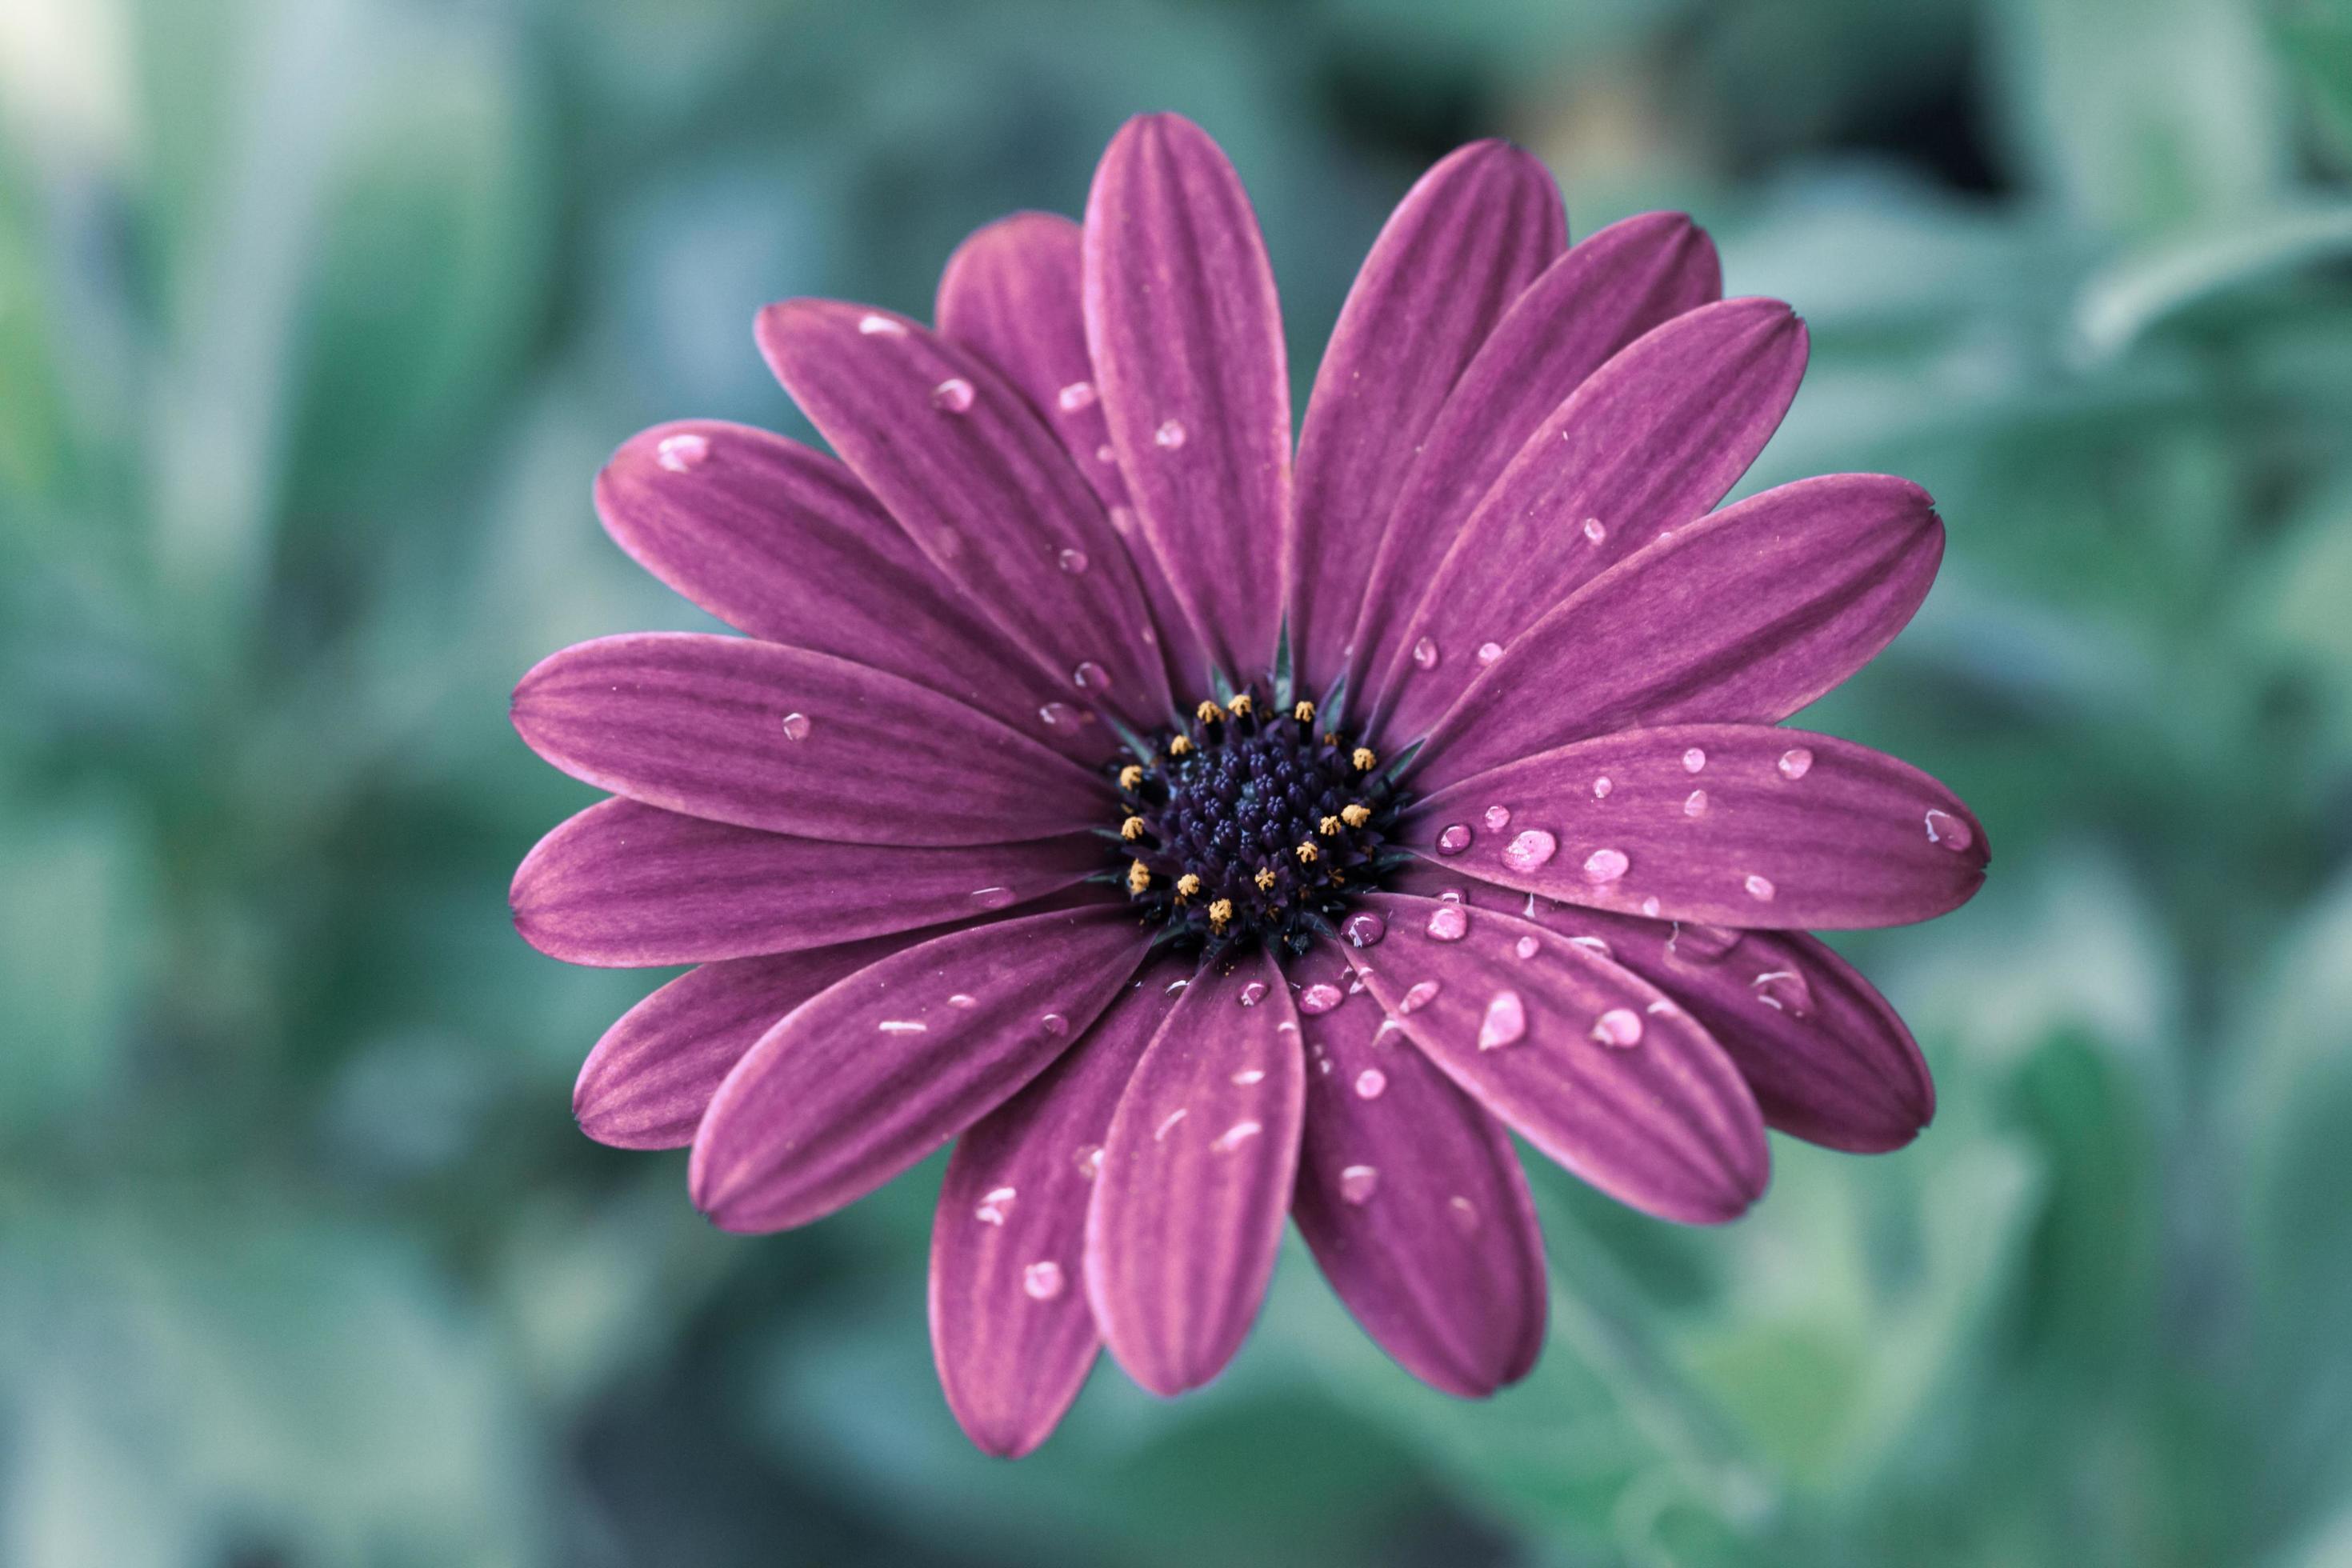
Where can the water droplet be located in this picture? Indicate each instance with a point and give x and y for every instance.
(1506, 1022)
(1055, 1024)
(1167, 1126)
(1090, 677)
(1526, 947)
(1795, 762)
(1320, 997)
(1464, 1213)
(1452, 895)
(963, 1000)
(881, 327)
(1122, 519)
(1693, 760)
(994, 1206)
(681, 452)
(1448, 923)
(1252, 993)
(1591, 944)
(1424, 654)
(1170, 435)
(1419, 995)
(1488, 652)
(1091, 1157)
(1696, 943)
(902, 1026)
(1042, 1281)
(1363, 929)
(797, 726)
(1059, 716)
(1760, 889)
(1594, 530)
(1950, 831)
(1601, 786)
(1498, 817)
(1079, 395)
(1695, 806)
(1618, 1028)
(995, 898)
(1176, 985)
(1370, 1083)
(1650, 906)
(1233, 1137)
(1533, 848)
(1454, 839)
(1661, 1008)
(1106, 453)
(952, 395)
(1072, 560)
(1249, 1076)
(1786, 990)
(1358, 1183)
(1604, 867)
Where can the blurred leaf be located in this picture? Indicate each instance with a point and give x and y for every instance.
(2122, 303)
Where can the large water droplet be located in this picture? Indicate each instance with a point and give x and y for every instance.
(1424, 654)
(1055, 1024)
(1454, 839)
(1696, 805)
(1950, 831)
(1448, 923)
(1372, 1083)
(1619, 1028)
(1786, 990)
(1760, 889)
(1252, 993)
(797, 726)
(1488, 652)
(1233, 1137)
(1604, 867)
(1079, 395)
(952, 395)
(1419, 996)
(1358, 1183)
(1795, 762)
(1320, 997)
(1532, 849)
(994, 1206)
(1170, 435)
(680, 452)
(881, 327)
(1042, 1281)
(995, 898)
(1090, 677)
(902, 1026)
(1072, 560)
(1506, 1022)
(1363, 929)
(1497, 818)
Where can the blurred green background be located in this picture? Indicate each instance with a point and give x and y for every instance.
(317, 318)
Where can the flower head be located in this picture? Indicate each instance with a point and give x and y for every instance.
(1201, 835)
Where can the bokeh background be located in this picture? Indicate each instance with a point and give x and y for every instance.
(317, 317)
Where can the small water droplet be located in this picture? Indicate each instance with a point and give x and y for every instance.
(1488, 652)
(1452, 895)
(1122, 519)
(1106, 453)
(1072, 560)
(1170, 435)
(1693, 760)
(1601, 786)
(678, 453)
(1358, 1183)
(1448, 923)
(1696, 805)
(1465, 1213)
(1591, 944)
(797, 726)
(1058, 716)
(1055, 1024)
(964, 1000)
(1498, 817)
(1090, 677)
(1160, 1133)
(902, 1026)
(1042, 1281)
(952, 395)
(1363, 929)
(1372, 1083)
(1786, 990)
(1176, 985)
(1619, 1028)
(1506, 1022)
(1090, 1159)
(995, 898)
(1760, 889)
(881, 327)
(1526, 947)
(1661, 1008)
(1252, 993)
(1532, 849)
(1650, 906)
(1421, 994)
(1249, 1076)
(1233, 1137)
(1320, 997)
(1696, 943)
(1079, 395)
(1795, 762)
(1424, 654)
(1604, 867)
(1594, 530)
(1454, 839)
(1950, 831)
(994, 1206)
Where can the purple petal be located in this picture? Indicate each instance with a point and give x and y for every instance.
(1412, 1200)
(1196, 1177)
(1741, 617)
(1600, 295)
(786, 543)
(793, 742)
(1011, 292)
(1587, 1061)
(1186, 339)
(1466, 239)
(1655, 437)
(649, 1079)
(1010, 1328)
(628, 886)
(871, 1075)
(1736, 825)
(980, 485)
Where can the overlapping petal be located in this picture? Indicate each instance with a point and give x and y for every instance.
(1743, 617)
(629, 886)
(1601, 294)
(975, 478)
(1413, 1199)
(1465, 241)
(878, 1070)
(1196, 1178)
(1185, 335)
(1586, 1060)
(779, 738)
(1739, 825)
(1010, 1328)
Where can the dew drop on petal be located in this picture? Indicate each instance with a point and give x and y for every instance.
(1760, 889)
(1320, 997)
(1464, 1213)
(1534, 848)
(1950, 831)
(1090, 1159)
(1693, 760)
(1695, 806)
(1252, 993)
(1072, 560)
(1106, 453)
(1370, 1083)
(1696, 943)
(1795, 762)
(1506, 1022)
(1650, 906)
(995, 898)
(1055, 1024)
(1042, 1281)
(903, 1026)
(1233, 1137)
(1167, 1124)
(1079, 395)
(1448, 923)
(1454, 839)
(1249, 1076)
(1170, 435)
(1358, 1183)
(1452, 895)
(797, 726)
(1363, 929)
(963, 1000)
(1498, 817)
(1421, 994)
(1601, 786)
(1594, 530)
(952, 395)
(1058, 716)
(1090, 677)
(881, 327)
(1604, 867)
(1785, 990)
(994, 1206)
(1526, 947)
(1488, 652)
(1618, 1028)
(1424, 654)
(1591, 944)
(678, 453)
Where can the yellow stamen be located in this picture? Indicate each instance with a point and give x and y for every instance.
(1265, 878)
(1364, 759)
(1130, 776)
(1327, 826)
(1131, 829)
(1242, 706)
(1221, 913)
(1139, 876)
(1355, 814)
(1307, 852)
(1208, 712)
(1187, 885)
(1181, 746)
(1304, 712)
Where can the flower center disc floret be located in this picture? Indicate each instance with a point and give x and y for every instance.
(1249, 825)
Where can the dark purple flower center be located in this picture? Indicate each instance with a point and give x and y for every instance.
(1253, 823)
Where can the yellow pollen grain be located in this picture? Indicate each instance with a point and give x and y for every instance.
(1130, 776)
(1187, 885)
(1307, 853)
(1327, 826)
(1139, 876)
(1355, 814)
(1304, 712)
(1221, 913)
(1131, 829)
(1242, 706)
(1181, 746)
(1364, 759)
(1208, 712)
(1265, 878)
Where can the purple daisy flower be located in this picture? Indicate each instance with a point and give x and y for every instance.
(1201, 835)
